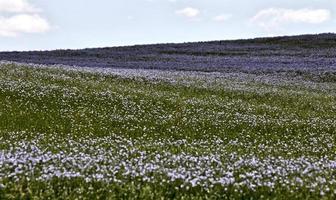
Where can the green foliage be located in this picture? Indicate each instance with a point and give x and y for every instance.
(253, 121)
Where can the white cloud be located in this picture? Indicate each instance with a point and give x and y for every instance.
(24, 18)
(23, 23)
(274, 18)
(222, 18)
(189, 12)
(17, 6)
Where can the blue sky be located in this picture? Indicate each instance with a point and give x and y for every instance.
(62, 24)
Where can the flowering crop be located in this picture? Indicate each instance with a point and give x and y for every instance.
(111, 133)
(310, 56)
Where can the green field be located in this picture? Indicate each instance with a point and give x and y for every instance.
(80, 134)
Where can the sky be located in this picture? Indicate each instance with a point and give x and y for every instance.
(75, 24)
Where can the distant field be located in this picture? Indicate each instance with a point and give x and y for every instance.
(97, 133)
(296, 54)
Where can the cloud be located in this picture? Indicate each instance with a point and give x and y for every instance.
(274, 18)
(23, 23)
(21, 17)
(189, 12)
(222, 18)
(17, 6)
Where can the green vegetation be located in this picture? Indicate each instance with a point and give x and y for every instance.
(69, 134)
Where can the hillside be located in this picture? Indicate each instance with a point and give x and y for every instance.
(261, 128)
(278, 53)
